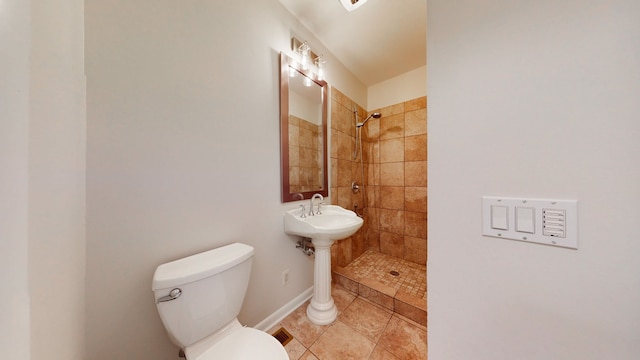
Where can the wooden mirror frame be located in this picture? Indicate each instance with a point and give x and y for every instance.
(287, 63)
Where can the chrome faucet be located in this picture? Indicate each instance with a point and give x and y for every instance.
(311, 204)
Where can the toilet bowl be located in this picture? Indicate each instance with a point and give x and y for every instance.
(199, 298)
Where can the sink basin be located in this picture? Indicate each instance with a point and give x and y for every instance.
(334, 223)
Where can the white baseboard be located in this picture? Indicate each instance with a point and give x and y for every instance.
(273, 319)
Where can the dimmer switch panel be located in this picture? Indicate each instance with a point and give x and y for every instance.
(544, 221)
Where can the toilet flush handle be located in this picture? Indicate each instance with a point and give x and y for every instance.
(173, 294)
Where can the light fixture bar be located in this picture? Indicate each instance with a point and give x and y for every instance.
(296, 44)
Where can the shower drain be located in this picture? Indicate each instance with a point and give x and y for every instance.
(394, 273)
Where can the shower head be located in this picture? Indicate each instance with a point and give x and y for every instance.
(375, 115)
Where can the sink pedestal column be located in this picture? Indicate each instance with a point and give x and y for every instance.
(322, 310)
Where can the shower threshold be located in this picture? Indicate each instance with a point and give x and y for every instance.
(393, 283)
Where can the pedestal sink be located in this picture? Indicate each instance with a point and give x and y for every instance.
(335, 223)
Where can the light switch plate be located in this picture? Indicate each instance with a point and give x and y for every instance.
(543, 221)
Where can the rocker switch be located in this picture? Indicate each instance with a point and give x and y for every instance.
(525, 219)
(499, 217)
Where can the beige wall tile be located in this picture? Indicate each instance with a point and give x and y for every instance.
(392, 127)
(415, 173)
(373, 196)
(344, 145)
(343, 251)
(358, 243)
(391, 110)
(334, 195)
(392, 174)
(334, 172)
(341, 98)
(415, 198)
(415, 224)
(373, 239)
(415, 249)
(374, 152)
(415, 104)
(392, 244)
(344, 172)
(344, 197)
(346, 121)
(333, 120)
(415, 148)
(372, 218)
(334, 144)
(392, 197)
(392, 221)
(411, 312)
(416, 122)
(376, 174)
(392, 150)
(371, 130)
(377, 297)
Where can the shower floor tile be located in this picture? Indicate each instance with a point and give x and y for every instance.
(393, 283)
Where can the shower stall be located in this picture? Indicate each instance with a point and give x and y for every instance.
(379, 170)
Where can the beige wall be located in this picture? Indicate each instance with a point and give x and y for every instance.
(42, 188)
(407, 86)
(57, 128)
(535, 99)
(184, 156)
(14, 191)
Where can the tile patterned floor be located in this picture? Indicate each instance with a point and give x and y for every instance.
(369, 276)
(363, 331)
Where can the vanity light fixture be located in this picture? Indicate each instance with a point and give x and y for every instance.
(305, 55)
(351, 5)
(308, 60)
(320, 63)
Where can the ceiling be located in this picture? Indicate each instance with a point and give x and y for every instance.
(378, 41)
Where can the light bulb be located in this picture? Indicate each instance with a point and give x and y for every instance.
(307, 81)
(320, 64)
(305, 58)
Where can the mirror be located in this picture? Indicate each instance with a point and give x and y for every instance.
(303, 132)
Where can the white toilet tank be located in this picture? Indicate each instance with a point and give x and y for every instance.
(212, 286)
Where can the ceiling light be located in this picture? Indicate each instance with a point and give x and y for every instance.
(351, 5)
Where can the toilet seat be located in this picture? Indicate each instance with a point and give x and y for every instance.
(245, 344)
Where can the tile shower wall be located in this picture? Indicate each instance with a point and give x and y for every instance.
(395, 171)
(305, 167)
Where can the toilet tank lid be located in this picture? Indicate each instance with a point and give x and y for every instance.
(200, 266)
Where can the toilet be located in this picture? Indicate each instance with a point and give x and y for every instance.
(199, 298)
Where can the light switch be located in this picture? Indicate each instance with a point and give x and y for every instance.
(544, 221)
(499, 217)
(525, 219)
(553, 222)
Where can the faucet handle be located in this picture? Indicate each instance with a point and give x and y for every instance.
(319, 204)
(303, 215)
